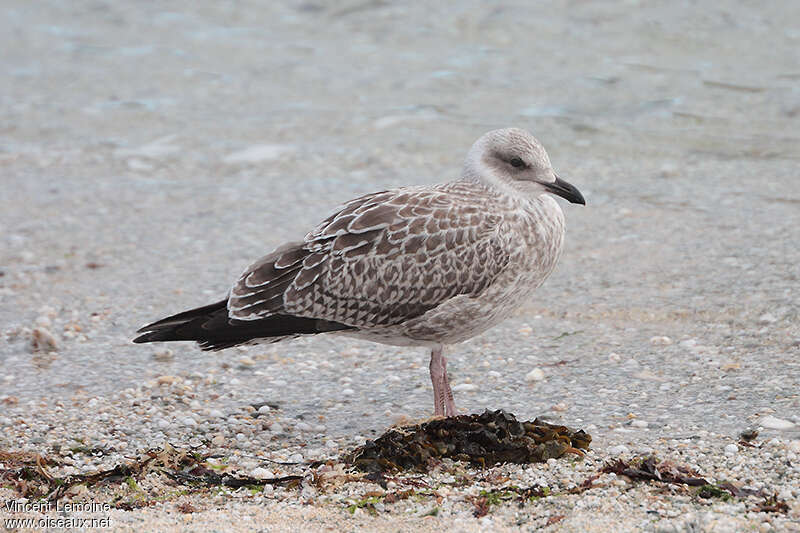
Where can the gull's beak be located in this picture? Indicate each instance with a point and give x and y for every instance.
(565, 190)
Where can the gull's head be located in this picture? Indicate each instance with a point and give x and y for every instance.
(514, 158)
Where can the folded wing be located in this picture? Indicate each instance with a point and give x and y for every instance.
(382, 259)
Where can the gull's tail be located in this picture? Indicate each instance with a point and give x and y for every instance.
(212, 329)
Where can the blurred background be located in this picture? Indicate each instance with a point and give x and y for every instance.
(150, 150)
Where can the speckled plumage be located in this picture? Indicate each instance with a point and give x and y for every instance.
(428, 266)
(423, 265)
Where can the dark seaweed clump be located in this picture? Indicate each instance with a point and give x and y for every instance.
(486, 439)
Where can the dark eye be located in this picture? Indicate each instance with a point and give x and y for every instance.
(516, 162)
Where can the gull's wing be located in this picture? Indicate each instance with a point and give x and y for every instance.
(382, 259)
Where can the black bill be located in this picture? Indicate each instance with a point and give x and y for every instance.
(565, 190)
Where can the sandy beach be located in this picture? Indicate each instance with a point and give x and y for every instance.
(149, 153)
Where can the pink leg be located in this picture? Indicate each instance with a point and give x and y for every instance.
(443, 402)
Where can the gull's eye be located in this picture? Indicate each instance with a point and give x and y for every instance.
(516, 162)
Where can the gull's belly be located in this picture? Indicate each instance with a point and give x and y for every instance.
(464, 317)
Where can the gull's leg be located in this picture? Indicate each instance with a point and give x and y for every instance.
(443, 403)
(436, 379)
(449, 401)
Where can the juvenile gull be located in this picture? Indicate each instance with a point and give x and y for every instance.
(414, 266)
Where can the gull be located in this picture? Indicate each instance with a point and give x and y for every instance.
(426, 266)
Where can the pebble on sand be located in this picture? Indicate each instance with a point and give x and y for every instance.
(537, 374)
(257, 154)
(167, 379)
(767, 318)
(42, 340)
(771, 422)
(163, 355)
(261, 472)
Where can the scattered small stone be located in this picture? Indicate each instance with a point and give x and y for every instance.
(163, 355)
(688, 344)
(465, 387)
(614, 357)
(660, 340)
(731, 449)
(257, 154)
(348, 392)
(167, 379)
(771, 422)
(264, 409)
(767, 318)
(639, 423)
(261, 472)
(42, 340)
(537, 374)
(133, 163)
(619, 450)
(669, 170)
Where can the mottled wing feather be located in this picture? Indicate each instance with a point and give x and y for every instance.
(380, 260)
(259, 291)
